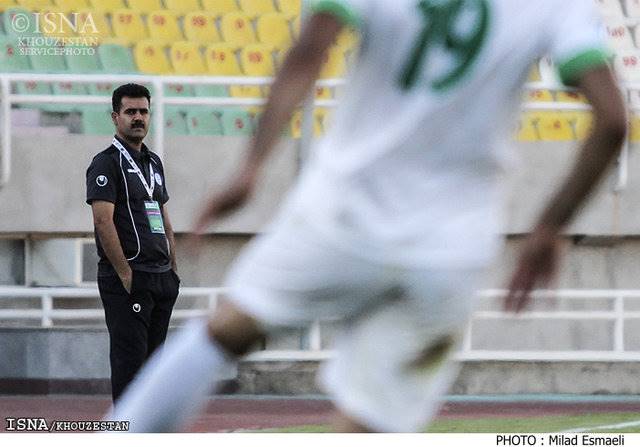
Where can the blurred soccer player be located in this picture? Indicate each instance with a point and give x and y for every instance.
(395, 217)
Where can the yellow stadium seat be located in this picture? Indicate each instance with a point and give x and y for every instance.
(163, 26)
(219, 7)
(634, 129)
(554, 126)
(107, 5)
(257, 60)
(323, 93)
(186, 58)
(582, 123)
(292, 7)
(35, 5)
(246, 91)
(102, 29)
(128, 26)
(280, 57)
(570, 97)
(182, 6)
(221, 60)
(538, 95)
(348, 39)
(115, 41)
(52, 26)
(201, 27)
(6, 4)
(70, 6)
(335, 64)
(151, 58)
(236, 29)
(527, 129)
(255, 8)
(145, 6)
(273, 29)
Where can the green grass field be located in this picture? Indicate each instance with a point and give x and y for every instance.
(545, 424)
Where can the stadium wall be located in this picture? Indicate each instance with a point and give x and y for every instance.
(46, 191)
(75, 360)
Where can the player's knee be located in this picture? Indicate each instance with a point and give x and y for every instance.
(435, 354)
(234, 330)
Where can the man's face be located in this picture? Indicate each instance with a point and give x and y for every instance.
(133, 119)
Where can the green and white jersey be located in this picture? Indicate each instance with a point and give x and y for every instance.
(415, 144)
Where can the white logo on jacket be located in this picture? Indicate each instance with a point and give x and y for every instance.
(102, 180)
(158, 179)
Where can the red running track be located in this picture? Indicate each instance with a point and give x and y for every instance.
(230, 414)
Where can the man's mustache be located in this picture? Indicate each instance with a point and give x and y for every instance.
(137, 124)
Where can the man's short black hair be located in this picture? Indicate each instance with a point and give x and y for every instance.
(131, 91)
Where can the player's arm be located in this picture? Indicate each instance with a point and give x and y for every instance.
(291, 86)
(539, 256)
(106, 231)
(294, 82)
(168, 229)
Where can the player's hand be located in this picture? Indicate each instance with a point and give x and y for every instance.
(227, 201)
(537, 265)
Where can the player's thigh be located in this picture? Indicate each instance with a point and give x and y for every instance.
(293, 275)
(445, 296)
(393, 364)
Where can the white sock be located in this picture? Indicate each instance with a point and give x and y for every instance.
(174, 384)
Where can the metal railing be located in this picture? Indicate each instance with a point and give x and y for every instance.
(8, 99)
(46, 313)
(49, 316)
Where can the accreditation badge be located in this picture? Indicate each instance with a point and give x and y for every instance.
(152, 210)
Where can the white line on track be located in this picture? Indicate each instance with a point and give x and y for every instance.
(603, 427)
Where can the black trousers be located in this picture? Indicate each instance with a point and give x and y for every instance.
(137, 322)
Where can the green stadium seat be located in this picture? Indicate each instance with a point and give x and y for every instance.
(203, 121)
(211, 90)
(96, 120)
(236, 122)
(116, 58)
(179, 90)
(11, 60)
(66, 89)
(84, 62)
(175, 122)
(47, 63)
(101, 88)
(33, 88)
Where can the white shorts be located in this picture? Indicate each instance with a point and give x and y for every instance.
(390, 365)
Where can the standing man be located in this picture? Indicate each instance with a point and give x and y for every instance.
(395, 217)
(137, 277)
